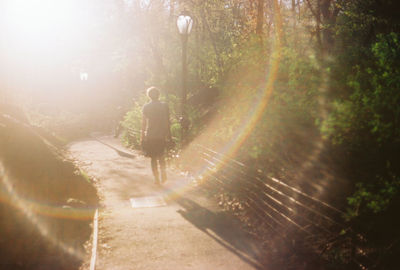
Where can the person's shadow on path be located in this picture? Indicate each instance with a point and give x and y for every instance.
(221, 224)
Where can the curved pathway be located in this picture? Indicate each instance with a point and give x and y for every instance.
(189, 232)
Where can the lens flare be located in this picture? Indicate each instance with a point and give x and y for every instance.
(255, 114)
(32, 210)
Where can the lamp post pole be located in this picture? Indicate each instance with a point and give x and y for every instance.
(184, 120)
(184, 24)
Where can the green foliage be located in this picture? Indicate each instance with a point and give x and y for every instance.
(373, 198)
(292, 106)
(194, 116)
(371, 113)
(132, 124)
(364, 119)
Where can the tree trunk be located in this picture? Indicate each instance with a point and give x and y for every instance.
(260, 18)
(299, 9)
(327, 21)
(294, 14)
(325, 15)
(317, 15)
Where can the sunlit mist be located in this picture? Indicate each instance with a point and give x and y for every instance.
(39, 21)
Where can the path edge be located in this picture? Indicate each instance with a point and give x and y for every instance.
(94, 244)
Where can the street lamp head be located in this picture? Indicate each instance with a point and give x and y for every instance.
(184, 23)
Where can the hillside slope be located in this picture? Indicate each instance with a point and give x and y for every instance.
(46, 205)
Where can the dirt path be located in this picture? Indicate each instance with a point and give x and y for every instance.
(190, 232)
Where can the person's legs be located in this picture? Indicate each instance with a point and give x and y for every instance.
(156, 152)
(154, 168)
(163, 168)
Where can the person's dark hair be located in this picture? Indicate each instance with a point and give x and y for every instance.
(153, 93)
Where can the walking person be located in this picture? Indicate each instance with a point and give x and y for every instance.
(155, 133)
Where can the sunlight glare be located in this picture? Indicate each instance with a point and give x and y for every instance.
(40, 21)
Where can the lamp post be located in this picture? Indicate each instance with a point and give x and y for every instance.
(184, 23)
